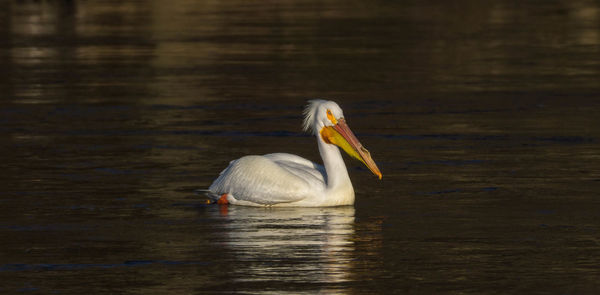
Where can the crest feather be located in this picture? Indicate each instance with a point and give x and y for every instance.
(310, 112)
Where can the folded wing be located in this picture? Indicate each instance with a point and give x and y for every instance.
(270, 179)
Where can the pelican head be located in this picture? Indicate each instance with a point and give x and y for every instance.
(325, 119)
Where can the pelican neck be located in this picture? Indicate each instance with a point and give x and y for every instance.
(337, 174)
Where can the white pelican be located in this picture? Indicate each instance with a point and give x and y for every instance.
(288, 180)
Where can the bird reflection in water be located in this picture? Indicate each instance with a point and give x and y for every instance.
(290, 244)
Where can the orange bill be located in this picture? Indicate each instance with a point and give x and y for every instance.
(341, 135)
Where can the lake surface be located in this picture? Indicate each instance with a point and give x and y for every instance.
(483, 116)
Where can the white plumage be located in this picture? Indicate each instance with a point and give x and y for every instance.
(288, 180)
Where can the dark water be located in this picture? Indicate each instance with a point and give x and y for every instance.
(484, 117)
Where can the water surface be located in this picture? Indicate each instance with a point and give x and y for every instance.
(483, 118)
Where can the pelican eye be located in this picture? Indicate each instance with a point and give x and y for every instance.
(331, 117)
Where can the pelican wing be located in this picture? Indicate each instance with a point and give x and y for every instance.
(270, 179)
(310, 171)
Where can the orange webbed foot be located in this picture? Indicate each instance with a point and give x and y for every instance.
(223, 200)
